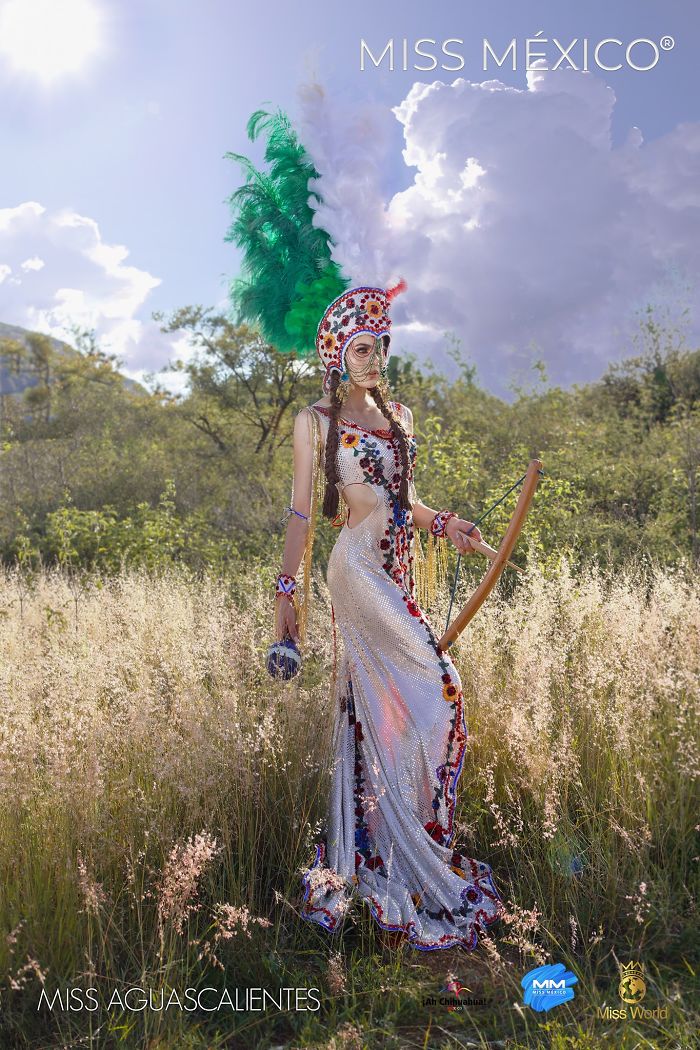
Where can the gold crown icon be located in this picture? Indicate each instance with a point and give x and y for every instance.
(632, 987)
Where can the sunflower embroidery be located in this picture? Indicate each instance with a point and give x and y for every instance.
(349, 440)
(329, 342)
(373, 308)
(449, 691)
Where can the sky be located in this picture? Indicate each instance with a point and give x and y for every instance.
(532, 213)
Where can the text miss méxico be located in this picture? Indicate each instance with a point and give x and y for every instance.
(538, 52)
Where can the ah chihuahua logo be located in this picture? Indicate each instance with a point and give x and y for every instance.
(454, 987)
(548, 986)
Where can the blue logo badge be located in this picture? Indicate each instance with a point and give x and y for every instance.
(548, 986)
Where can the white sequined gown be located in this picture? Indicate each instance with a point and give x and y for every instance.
(399, 733)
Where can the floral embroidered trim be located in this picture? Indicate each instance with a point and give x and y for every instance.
(380, 432)
(396, 545)
(315, 873)
(363, 846)
(449, 772)
(470, 896)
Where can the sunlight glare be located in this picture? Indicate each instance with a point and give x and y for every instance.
(48, 38)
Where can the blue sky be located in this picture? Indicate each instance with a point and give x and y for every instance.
(134, 140)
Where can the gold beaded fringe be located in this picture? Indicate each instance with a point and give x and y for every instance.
(430, 571)
(317, 487)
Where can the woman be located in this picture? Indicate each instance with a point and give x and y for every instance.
(399, 734)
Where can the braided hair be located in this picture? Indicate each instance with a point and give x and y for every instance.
(401, 438)
(331, 498)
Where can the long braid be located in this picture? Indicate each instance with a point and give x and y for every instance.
(331, 497)
(401, 439)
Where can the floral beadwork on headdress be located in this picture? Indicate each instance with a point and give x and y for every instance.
(356, 311)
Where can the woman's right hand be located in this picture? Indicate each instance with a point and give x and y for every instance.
(285, 620)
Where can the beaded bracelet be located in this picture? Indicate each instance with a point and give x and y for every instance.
(291, 510)
(439, 523)
(286, 586)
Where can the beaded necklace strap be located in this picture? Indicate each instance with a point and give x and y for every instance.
(358, 426)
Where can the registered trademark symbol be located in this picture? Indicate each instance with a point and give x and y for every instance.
(667, 43)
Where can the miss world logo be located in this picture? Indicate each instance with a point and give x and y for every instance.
(548, 986)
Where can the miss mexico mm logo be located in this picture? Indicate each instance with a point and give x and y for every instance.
(548, 986)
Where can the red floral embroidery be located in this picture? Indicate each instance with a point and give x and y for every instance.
(435, 830)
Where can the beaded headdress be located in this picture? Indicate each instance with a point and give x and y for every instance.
(354, 312)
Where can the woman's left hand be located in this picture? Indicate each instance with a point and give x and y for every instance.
(457, 529)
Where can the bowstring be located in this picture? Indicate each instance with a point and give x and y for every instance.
(473, 526)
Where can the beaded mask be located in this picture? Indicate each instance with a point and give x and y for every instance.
(357, 311)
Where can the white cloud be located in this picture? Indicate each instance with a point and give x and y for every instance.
(35, 263)
(63, 273)
(524, 231)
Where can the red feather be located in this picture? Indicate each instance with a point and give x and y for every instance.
(396, 290)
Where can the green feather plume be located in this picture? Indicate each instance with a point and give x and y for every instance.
(288, 275)
(310, 301)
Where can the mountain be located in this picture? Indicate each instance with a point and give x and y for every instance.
(14, 382)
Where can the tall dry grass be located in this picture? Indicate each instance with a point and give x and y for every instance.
(161, 794)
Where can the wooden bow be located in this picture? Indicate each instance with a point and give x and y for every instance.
(498, 564)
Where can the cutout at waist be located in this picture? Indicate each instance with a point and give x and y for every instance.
(359, 506)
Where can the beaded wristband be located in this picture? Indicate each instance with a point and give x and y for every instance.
(291, 510)
(286, 586)
(439, 522)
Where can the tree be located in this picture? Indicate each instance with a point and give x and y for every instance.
(242, 375)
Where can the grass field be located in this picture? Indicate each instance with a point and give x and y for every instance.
(161, 794)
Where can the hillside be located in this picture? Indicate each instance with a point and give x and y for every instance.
(13, 381)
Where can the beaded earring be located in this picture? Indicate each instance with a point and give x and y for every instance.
(383, 383)
(343, 386)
